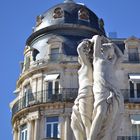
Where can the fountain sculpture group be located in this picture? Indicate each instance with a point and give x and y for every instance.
(98, 108)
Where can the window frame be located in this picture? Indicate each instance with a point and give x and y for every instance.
(23, 132)
(137, 126)
(52, 123)
(54, 56)
(53, 89)
(81, 12)
(134, 91)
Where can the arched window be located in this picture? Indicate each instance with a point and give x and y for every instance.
(83, 14)
(58, 13)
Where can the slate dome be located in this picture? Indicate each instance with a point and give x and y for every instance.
(71, 22)
(68, 13)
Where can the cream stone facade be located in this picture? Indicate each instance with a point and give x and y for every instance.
(48, 83)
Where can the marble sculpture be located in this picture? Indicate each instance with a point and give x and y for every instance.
(98, 108)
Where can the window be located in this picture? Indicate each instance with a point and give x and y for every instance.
(28, 96)
(133, 55)
(53, 88)
(27, 63)
(134, 90)
(23, 132)
(132, 95)
(136, 130)
(58, 13)
(83, 14)
(54, 54)
(53, 85)
(52, 127)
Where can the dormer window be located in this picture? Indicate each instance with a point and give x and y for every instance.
(83, 14)
(39, 20)
(58, 13)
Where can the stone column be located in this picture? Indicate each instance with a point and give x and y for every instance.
(18, 133)
(67, 128)
(36, 130)
(29, 133)
(15, 134)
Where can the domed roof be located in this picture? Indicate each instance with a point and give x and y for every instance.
(70, 13)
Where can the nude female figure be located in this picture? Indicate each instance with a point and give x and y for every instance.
(81, 117)
(107, 97)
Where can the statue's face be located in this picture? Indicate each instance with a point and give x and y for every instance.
(108, 51)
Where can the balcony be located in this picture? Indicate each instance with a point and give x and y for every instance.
(55, 58)
(46, 96)
(51, 139)
(128, 138)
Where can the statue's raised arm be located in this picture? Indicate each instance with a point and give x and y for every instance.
(97, 45)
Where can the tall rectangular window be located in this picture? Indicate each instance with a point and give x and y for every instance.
(53, 88)
(50, 89)
(27, 63)
(132, 95)
(133, 55)
(135, 130)
(138, 90)
(54, 54)
(23, 132)
(27, 95)
(52, 127)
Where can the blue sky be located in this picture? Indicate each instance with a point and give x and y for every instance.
(16, 21)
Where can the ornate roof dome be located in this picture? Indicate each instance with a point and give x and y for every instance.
(71, 22)
(70, 12)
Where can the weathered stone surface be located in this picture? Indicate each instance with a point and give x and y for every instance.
(99, 103)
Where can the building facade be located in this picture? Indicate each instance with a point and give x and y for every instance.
(48, 83)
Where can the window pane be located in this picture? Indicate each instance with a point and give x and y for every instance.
(48, 131)
(22, 136)
(23, 132)
(131, 90)
(138, 90)
(52, 119)
(26, 135)
(27, 63)
(56, 87)
(54, 53)
(55, 130)
(133, 55)
(134, 130)
(50, 88)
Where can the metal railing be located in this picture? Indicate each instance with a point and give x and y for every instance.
(131, 96)
(60, 57)
(46, 96)
(128, 138)
(51, 139)
(62, 95)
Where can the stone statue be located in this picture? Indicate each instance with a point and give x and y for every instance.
(83, 106)
(108, 101)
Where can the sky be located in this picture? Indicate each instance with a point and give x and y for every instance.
(17, 17)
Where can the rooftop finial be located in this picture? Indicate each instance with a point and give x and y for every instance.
(68, 1)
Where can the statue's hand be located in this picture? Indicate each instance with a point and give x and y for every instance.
(110, 98)
(94, 38)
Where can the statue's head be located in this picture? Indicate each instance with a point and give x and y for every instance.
(107, 50)
(88, 49)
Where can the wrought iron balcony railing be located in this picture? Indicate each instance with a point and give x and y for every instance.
(46, 96)
(131, 96)
(63, 95)
(51, 139)
(128, 138)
